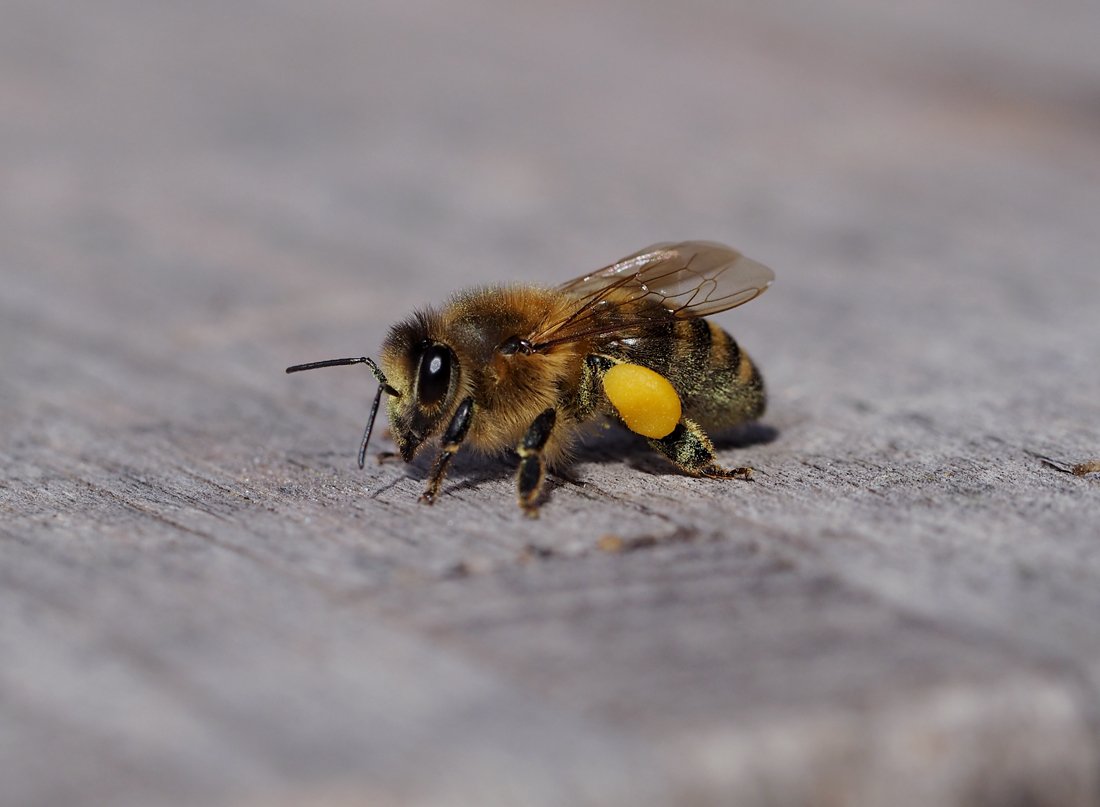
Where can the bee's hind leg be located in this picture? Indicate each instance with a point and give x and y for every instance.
(532, 467)
(689, 448)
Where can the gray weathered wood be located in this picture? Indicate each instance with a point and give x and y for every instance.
(202, 600)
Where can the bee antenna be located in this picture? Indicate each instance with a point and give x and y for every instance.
(370, 425)
(374, 368)
(383, 386)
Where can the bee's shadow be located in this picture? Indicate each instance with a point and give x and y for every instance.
(749, 434)
(616, 444)
(468, 469)
(599, 444)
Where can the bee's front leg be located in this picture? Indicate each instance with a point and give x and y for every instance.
(532, 468)
(452, 441)
(692, 452)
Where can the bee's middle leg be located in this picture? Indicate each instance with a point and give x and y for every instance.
(691, 451)
(456, 432)
(532, 467)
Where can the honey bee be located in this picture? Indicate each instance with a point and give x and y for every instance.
(523, 367)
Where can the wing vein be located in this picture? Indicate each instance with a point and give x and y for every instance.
(661, 283)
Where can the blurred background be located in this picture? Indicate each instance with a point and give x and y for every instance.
(271, 168)
(195, 195)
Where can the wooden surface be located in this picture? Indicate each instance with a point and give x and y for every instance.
(202, 600)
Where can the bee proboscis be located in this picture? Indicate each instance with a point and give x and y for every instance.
(522, 367)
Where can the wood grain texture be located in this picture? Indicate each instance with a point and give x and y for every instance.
(202, 600)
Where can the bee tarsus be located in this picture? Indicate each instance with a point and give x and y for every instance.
(691, 450)
(532, 470)
(456, 432)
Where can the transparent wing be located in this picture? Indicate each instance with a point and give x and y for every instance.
(684, 280)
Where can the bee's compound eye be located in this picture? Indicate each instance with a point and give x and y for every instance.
(435, 375)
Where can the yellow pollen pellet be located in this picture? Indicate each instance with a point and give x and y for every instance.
(645, 400)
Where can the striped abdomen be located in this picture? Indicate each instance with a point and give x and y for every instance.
(719, 385)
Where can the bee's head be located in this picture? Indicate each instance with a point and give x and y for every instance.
(421, 376)
(426, 373)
